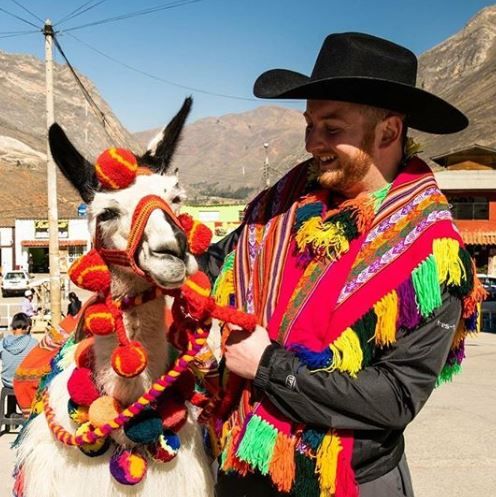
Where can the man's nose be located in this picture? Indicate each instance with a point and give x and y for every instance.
(313, 141)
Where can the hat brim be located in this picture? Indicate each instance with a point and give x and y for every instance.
(424, 111)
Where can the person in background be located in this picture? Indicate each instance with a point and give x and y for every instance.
(74, 304)
(16, 346)
(27, 304)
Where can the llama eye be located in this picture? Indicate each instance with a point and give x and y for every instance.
(176, 199)
(108, 214)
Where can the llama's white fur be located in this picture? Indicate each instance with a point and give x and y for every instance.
(52, 469)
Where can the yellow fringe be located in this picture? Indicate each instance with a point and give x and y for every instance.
(327, 463)
(449, 265)
(347, 355)
(225, 288)
(460, 334)
(325, 238)
(387, 314)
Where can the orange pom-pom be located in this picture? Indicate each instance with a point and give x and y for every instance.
(98, 320)
(90, 272)
(84, 355)
(129, 360)
(116, 168)
(103, 410)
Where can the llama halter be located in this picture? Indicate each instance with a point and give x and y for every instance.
(99, 415)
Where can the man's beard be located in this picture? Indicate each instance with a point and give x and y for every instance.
(347, 173)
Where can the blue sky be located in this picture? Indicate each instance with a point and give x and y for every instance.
(217, 46)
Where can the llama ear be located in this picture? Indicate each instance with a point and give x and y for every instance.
(162, 147)
(73, 165)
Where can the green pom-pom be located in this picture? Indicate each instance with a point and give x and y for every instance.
(145, 428)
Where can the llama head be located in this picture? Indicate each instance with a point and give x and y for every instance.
(163, 253)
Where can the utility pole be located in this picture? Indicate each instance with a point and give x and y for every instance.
(265, 176)
(53, 219)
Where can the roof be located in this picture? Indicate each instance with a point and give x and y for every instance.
(44, 243)
(476, 153)
(479, 237)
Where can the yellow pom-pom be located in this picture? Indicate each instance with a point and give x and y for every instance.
(103, 410)
(94, 449)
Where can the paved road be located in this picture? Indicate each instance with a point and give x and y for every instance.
(450, 445)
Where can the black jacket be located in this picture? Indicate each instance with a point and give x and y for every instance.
(378, 404)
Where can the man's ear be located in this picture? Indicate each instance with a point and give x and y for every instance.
(390, 130)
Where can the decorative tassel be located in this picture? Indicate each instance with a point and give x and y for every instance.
(306, 485)
(346, 220)
(306, 212)
(409, 316)
(347, 354)
(257, 444)
(365, 329)
(313, 360)
(449, 265)
(387, 312)
(467, 283)
(477, 295)
(312, 438)
(224, 284)
(282, 467)
(307, 232)
(327, 462)
(426, 283)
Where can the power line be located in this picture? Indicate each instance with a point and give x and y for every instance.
(178, 3)
(158, 78)
(18, 33)
(18, 17)
(77, 12)
(26, 10)
(107, 125)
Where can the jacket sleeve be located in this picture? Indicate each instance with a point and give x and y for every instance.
(211, 261)
(387, 394)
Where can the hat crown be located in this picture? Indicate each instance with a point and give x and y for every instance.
(361, 55)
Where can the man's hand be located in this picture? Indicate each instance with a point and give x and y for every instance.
(244, 350)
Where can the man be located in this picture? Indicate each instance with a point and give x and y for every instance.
(27, 303)
(15, 347)
(358, 279)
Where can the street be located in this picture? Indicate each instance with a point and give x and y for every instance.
(450, 445)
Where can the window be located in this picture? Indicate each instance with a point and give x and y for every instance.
(468, 207)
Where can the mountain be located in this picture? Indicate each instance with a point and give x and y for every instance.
(462, 69)
(23, 131)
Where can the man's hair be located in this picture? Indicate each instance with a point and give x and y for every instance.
(21, 321)
(377, 114)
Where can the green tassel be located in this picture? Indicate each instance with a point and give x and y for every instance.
(426, 283)
(365, 328)
(467, 283)
(306, 481)
(345, 220)
(447, 373)
(257, 446)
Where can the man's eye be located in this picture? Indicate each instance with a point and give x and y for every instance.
(108, 214)
(332, 131)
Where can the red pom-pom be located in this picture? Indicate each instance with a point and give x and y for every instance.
(116, 168)
(173, 413)
(90, 272)
(84, 355)
(81, 387)
(199, 235)
(129, 360)
(98, 320)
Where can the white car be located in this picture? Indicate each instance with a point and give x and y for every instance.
(15, 282)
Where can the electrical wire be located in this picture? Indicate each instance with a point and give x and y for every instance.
(77, 12)
(27, 10)
(18, 17)
(106, 124)
(158, 78)
(178, 3)
(18, 33)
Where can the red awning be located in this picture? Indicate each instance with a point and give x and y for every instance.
(44, 243)
(479, 237)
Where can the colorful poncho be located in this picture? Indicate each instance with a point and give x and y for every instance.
(333, 284)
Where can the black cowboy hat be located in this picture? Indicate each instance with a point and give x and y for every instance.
(365, 69)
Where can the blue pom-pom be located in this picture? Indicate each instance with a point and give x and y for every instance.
(471, 321)
(145, 428)
(312, 359)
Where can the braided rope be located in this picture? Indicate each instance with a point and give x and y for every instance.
(166, 380)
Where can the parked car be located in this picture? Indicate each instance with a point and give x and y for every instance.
(15, 283)
(489, 283)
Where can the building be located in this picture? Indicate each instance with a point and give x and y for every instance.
(468, 179)
(221, 219)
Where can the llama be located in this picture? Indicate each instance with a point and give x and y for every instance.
(52, 469)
